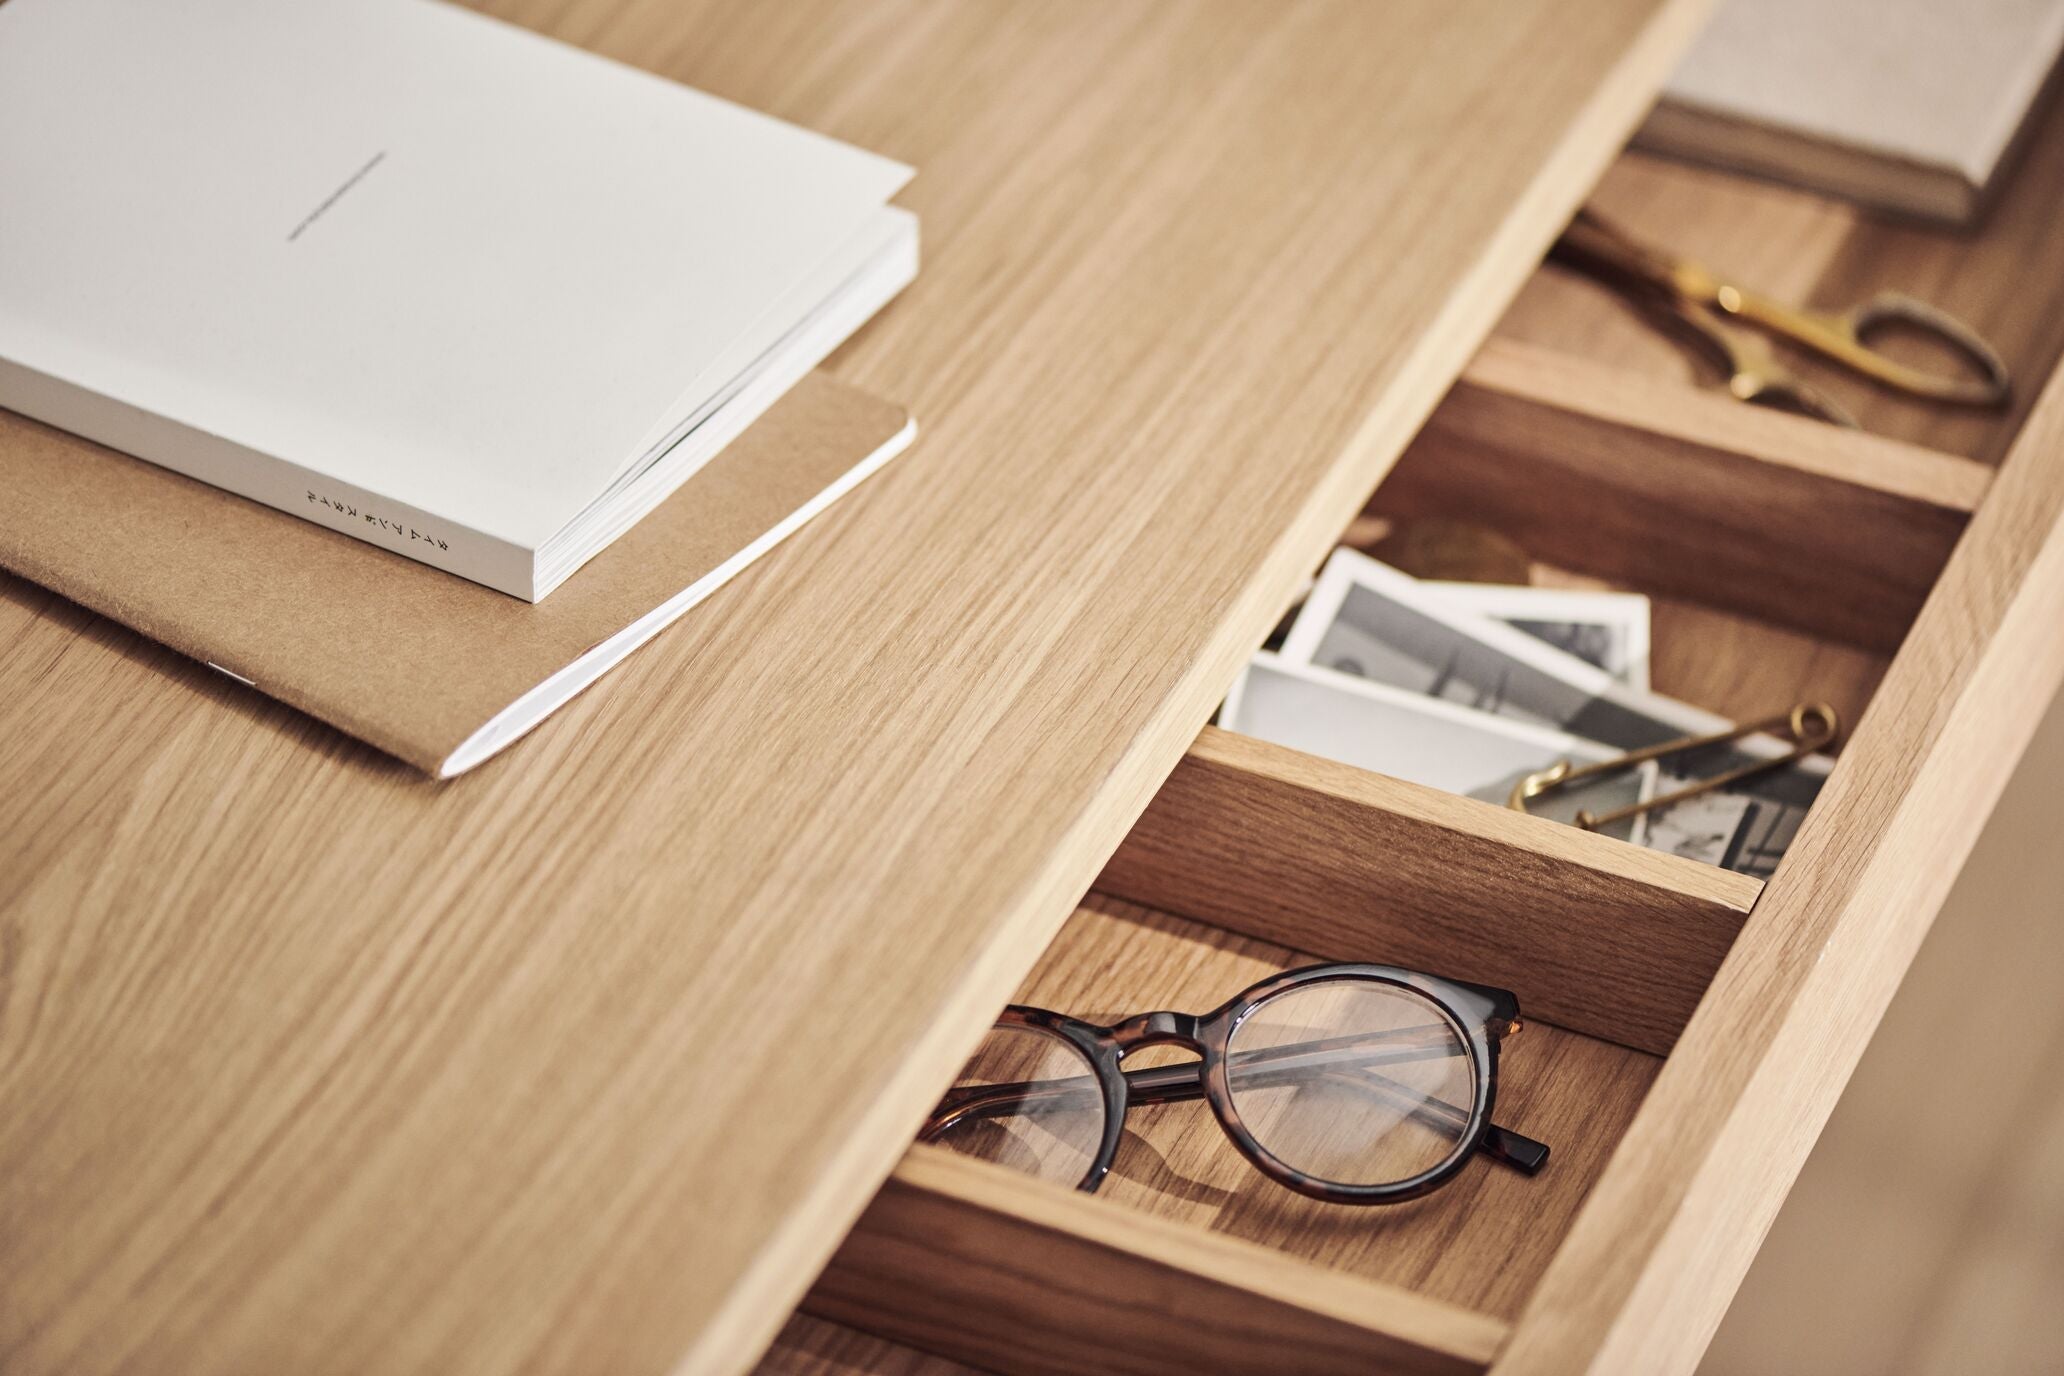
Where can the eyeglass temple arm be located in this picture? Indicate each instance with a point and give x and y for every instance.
(1005, 1099)
(1172, 1084)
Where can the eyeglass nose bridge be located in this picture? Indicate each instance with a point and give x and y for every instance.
(1157, 1029)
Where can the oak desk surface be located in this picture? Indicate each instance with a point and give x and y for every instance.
(586, 1061)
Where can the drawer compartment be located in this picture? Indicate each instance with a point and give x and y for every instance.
(2003, 278)
(1186, 1259)
(1688, 1028)
(1684, 492)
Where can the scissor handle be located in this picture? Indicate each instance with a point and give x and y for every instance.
(1991, 387)
(1844, 338)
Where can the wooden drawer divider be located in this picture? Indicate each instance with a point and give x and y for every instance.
(1685, 491)
(962, 1256)
(1595, 935)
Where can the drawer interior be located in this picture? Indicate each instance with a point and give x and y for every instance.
(1744, 524)
(1786, 560)
(2001, 278)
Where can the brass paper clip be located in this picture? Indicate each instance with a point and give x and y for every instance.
(1810, 725)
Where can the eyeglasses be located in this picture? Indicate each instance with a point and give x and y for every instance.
(1356, 1084)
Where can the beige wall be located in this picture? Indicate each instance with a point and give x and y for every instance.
(1926, 1234)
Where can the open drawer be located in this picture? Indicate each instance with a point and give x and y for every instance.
(1689, 1028)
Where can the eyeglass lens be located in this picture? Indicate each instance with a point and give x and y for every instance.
(1354, 1082)
(1045, 1114)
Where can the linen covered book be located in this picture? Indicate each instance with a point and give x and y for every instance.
(433, 669)
(410, 273)
(1914, 106)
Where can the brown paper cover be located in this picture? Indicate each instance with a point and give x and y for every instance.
(406, 657)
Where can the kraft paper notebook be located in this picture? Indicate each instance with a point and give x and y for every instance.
(431, 668)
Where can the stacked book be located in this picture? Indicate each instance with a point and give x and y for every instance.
(408, 296)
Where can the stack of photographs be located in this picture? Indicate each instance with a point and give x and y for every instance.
(1471, 688)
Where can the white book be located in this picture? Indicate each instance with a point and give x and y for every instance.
(411, 273)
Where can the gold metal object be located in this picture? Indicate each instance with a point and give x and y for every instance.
(1810, 725)
(1699, 299)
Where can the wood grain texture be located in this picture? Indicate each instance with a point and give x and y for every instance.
(1647, 1270)
(1923, 1243)
(973, 1260)
(1687, 492)
(1999, 277)
(1478, 1244)
(809, 1346)
(1745, 669)
(309, 1065)
(1592, 934)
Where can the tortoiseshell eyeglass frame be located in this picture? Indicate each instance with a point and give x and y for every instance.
(1480, 1017)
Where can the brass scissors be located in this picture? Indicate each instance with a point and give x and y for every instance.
(1701, 301)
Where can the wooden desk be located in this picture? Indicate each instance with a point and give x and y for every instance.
(585, 1063)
